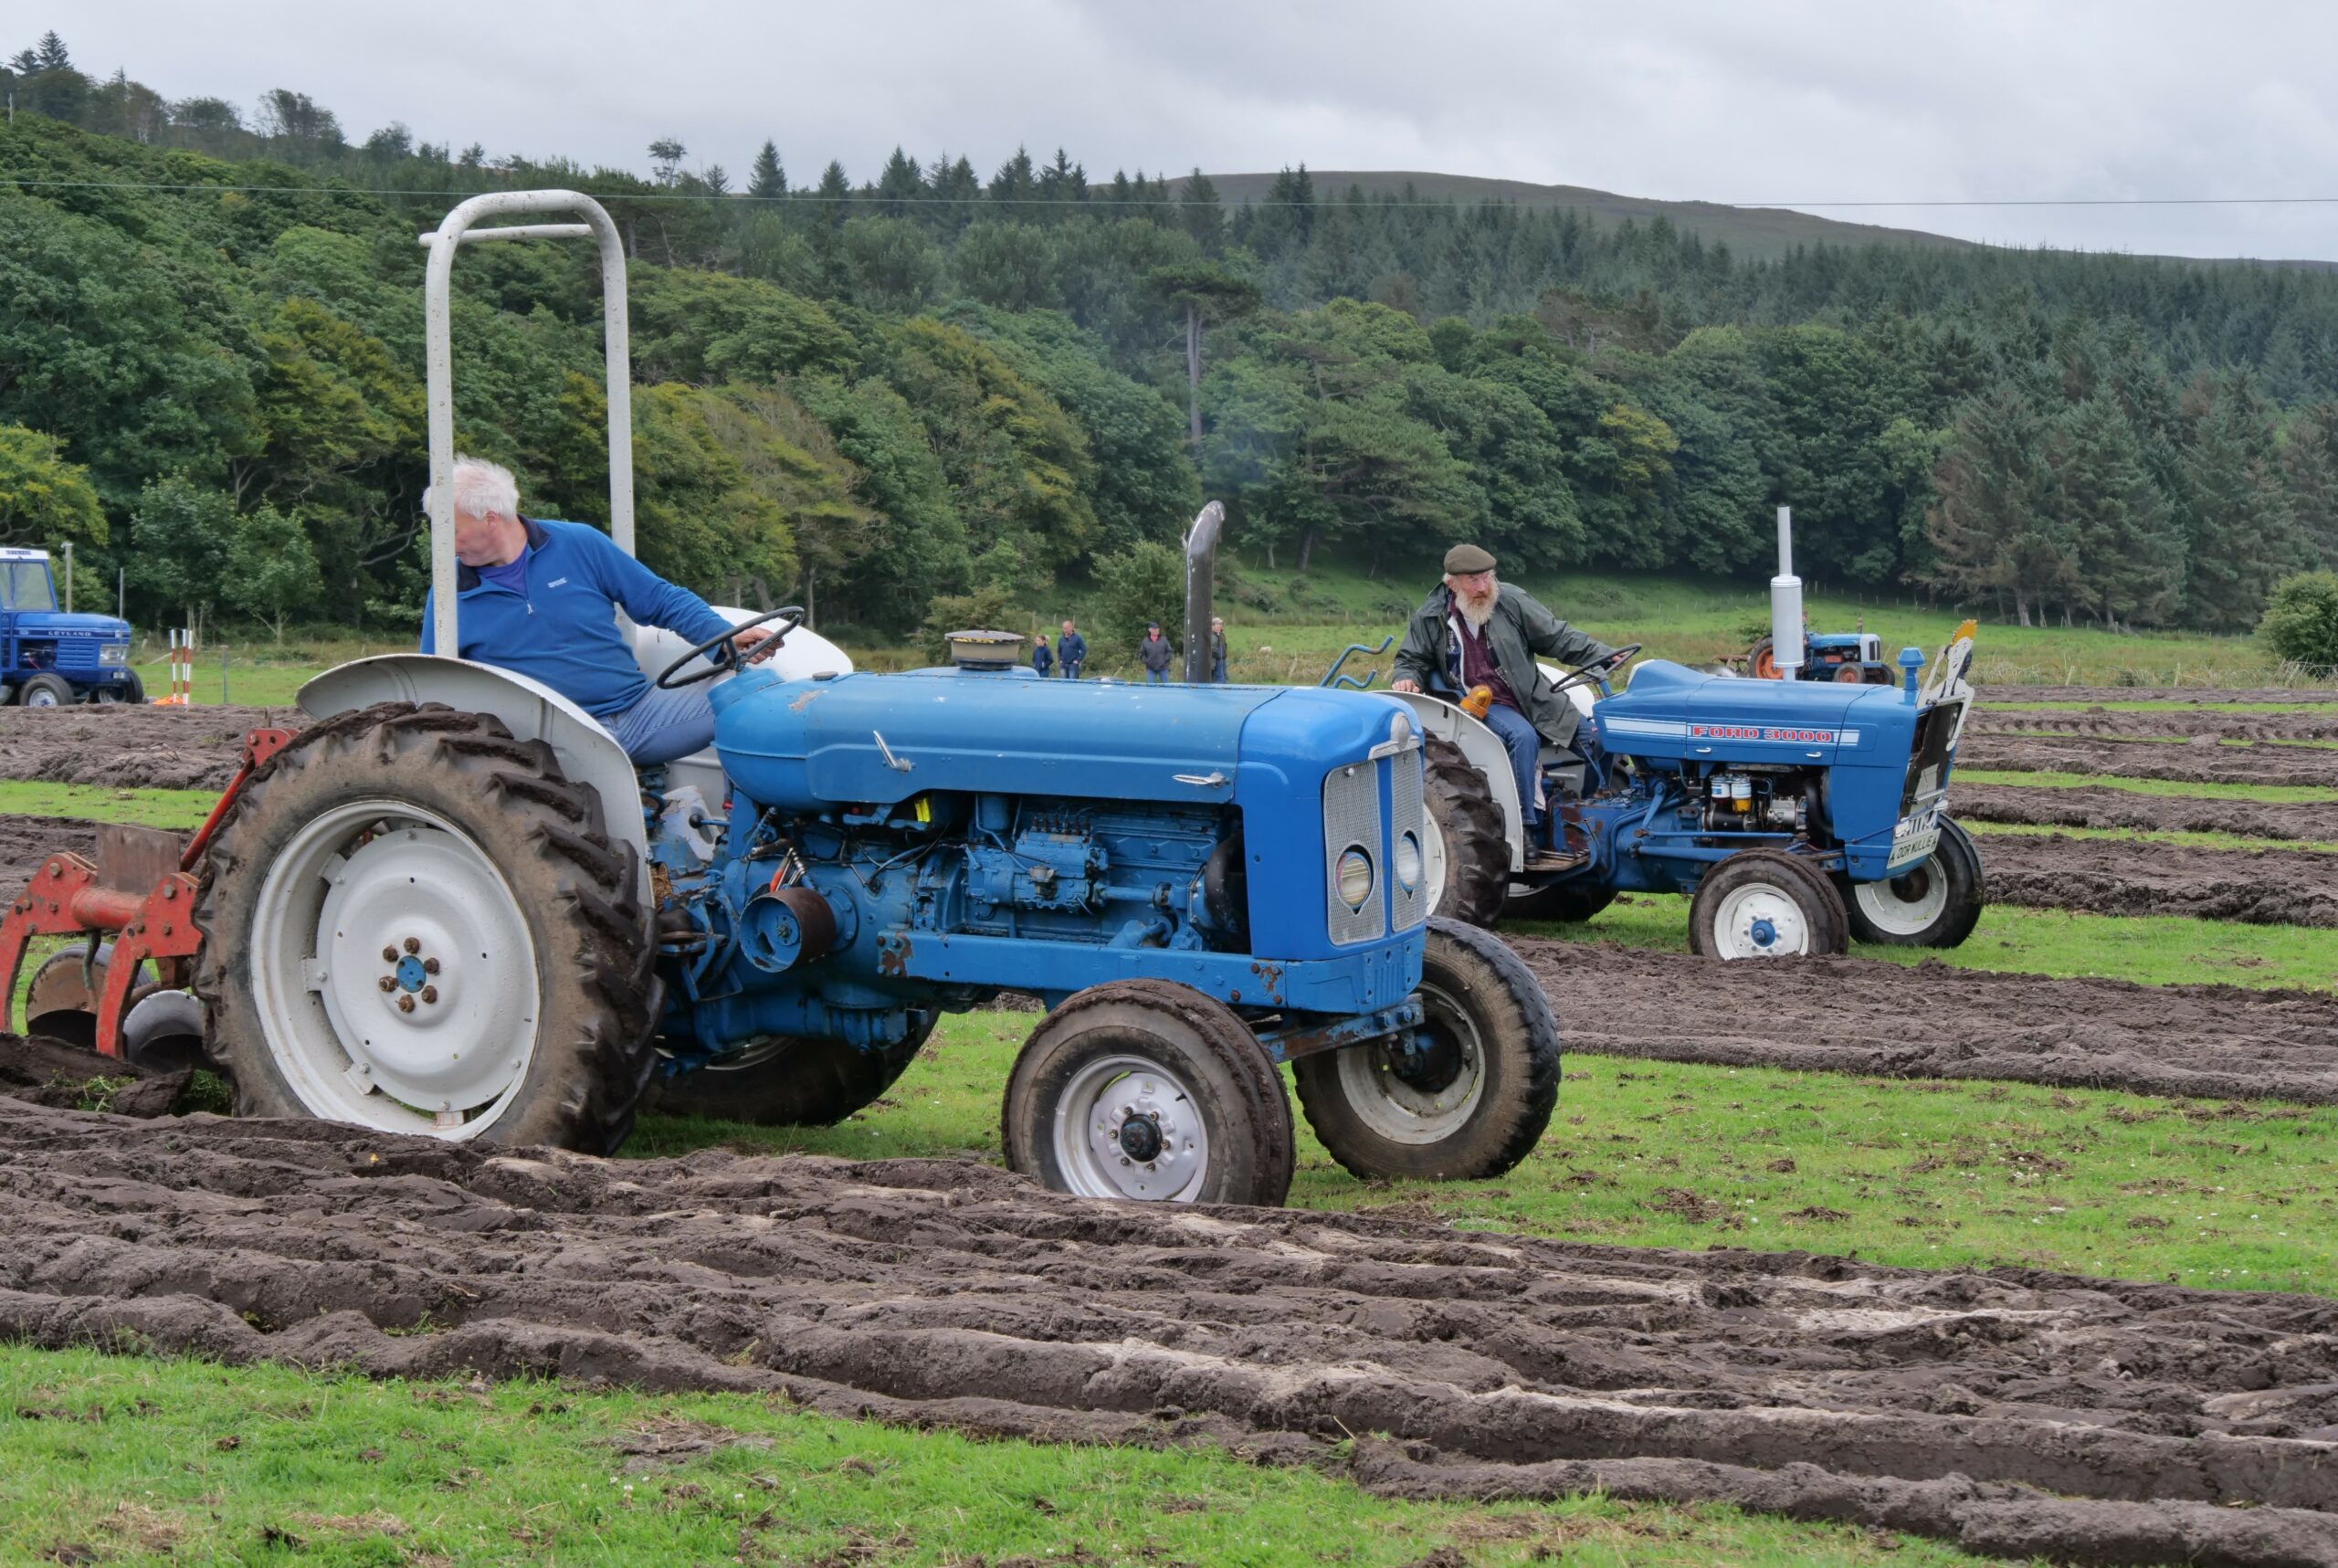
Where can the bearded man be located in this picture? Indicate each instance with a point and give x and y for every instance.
(1473, 631)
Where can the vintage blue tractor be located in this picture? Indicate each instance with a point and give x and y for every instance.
(450, 906)
(48, 658)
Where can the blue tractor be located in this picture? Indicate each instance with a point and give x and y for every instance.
(452, 907)
(48, 658)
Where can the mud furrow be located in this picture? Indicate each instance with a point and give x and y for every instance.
(1884, 1019)
(2175, 723)
(2258, 887)
(935, 1291)
(132, 748)
(26, 841)
(2095, 805)
(2268, 696)
(2202, 762)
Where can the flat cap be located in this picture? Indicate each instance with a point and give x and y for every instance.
(1463, 559)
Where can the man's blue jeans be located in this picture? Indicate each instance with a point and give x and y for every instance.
(664, 725)
(1524, 744)
(1156, 678)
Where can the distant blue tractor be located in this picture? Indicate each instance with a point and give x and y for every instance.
(49, 658)
(452, 907)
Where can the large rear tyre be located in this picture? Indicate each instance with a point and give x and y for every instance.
(1934, 904)
(788, 1080)
(1571, 901)
(1767, 903)
(1141, 1088)
(1465, 855)
(415, 923)
(1464, 1097)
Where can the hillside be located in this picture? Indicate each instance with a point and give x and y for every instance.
(1752, 234)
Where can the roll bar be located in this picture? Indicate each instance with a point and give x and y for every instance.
(454, 232)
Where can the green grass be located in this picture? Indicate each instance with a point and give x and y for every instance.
(2150, 949)
(1916, 1172)
(178, 808)
(152, 1461)
(2175, 837)
(2279, 794)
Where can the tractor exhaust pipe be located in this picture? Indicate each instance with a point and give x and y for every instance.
(1786, 603)
(1201, 578)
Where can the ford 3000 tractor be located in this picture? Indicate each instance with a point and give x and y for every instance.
(452, 907)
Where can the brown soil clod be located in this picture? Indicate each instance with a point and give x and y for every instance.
(2109, 876)
(2098, 805)
(2014, 1411)
(2210, 724)
(122, 747)
(2113, 757)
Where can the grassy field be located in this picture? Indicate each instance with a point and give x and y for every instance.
(183, 809)
(124, 1460)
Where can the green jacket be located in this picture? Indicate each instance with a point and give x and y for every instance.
(1520, 629)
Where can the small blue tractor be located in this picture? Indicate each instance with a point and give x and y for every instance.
(1797, 815)
(48, 658)
(452, 907)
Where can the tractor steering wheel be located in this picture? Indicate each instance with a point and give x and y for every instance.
(1599, 668)
(723, 657)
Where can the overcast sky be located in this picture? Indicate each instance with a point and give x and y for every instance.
(1794, 103)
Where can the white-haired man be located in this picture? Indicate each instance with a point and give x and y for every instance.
(1473, 631)
(540, 598)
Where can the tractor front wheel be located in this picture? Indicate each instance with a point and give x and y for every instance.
(47, 691)
(1466, 1095)
(788, 1080)
(1935, 903)
(1465, 855)
(1767, 903)
(1141, 1088)
(415, 923)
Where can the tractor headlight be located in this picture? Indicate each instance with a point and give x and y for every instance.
(114, 653)
(1408, 861)
(1353, 875)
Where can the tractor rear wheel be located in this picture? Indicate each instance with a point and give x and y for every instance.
(415, 923)
(1935, 903)
(1761, 660)
(1465, 853)
(1464, 1097)
(790, 1080)
(1141, 1088)
(1767, 903)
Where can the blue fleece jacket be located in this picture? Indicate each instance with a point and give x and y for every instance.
(562, 629)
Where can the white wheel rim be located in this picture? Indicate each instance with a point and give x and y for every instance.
(368, 877)
(44, 698)
(1097, 1147)
(1908, 904)
(1760, 920)
(1407, 1113)
(1432, 860)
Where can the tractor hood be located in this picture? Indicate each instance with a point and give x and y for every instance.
(1677, 713)
(808, 745)
(58, 624)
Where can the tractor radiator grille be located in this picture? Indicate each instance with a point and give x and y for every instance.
(1410, 904)
(1352, 820)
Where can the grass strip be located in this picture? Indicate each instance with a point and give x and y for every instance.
(1649, 1154)
(124, 1459)
(177, 808)
(2173, 838)
(2291, 793)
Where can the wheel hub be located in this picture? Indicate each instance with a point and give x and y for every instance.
(1139, 1138)
(1759, 921)
(1426, 1058)
(1127, 1129)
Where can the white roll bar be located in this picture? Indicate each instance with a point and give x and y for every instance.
(451, 235)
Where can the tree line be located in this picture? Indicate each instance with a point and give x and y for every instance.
(931, 382)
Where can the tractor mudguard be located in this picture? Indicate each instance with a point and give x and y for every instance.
(1485, 750)
(531, 711)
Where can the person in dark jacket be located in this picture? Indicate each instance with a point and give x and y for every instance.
(1042, 659)
(540, 598)
(1217, 649)
(1071, 652)
(1154, 652)
(1474, 631)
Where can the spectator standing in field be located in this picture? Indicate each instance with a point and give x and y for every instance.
(1217, 649)
(1071, 652)
(1153, 651)
(1042, 659)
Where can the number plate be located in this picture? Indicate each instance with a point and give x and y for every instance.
(1912, 844)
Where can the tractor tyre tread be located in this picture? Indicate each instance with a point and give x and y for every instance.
(811, 1082)
(577, 887)
(1968, 895)
(1513, 1013)
(1830, 918)
(55, 686)
(1477, 851)
(1260, 1175)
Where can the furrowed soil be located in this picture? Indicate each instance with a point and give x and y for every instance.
(2200, 761)
(2095, 806)
(1881, 1019)
(132, 748)
(2172, 723)
(26, 841)
(2014, 1413)
(2107, 877)
(2270, 695)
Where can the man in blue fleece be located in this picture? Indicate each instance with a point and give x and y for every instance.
(540, 599)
